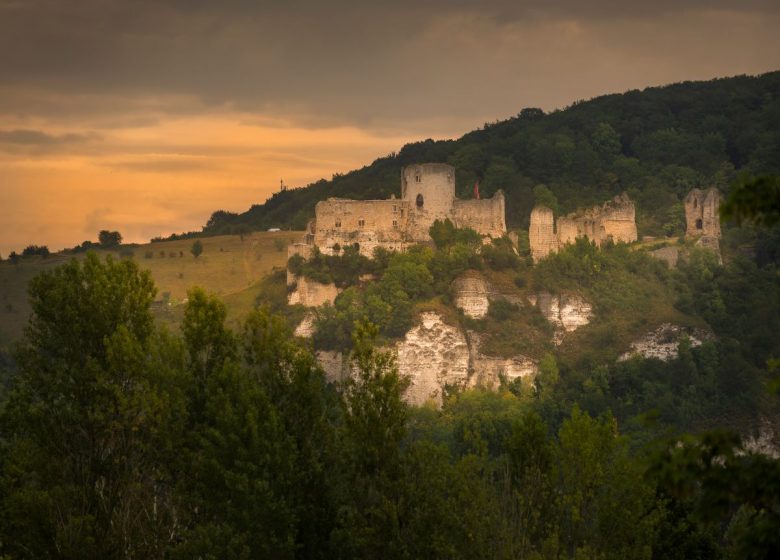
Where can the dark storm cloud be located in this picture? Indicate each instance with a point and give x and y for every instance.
(158, 165)
(38, 142)
(363, 62)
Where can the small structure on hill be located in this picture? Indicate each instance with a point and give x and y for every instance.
(614, 221)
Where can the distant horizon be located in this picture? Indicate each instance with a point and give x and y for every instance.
(146, 117)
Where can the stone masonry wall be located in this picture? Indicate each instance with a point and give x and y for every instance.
(366, 222)
(614, 221)
(702, 213)
(541, 235)
(485, 216)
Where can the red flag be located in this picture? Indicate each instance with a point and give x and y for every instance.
(476, 190)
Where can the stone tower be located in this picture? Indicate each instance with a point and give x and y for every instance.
(701, 213)
(429, 189)
(541, 234)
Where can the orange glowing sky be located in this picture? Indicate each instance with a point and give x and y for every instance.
(146, 116)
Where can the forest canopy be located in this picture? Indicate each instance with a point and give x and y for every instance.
(656, 144)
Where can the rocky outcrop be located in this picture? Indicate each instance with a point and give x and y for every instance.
(310, 293)
(433, 355)
(565, 312)
(471, 294)
(662, 343)
(765, 441)
(670, 255)
(333, 364)
(487, 371)
(306, 327)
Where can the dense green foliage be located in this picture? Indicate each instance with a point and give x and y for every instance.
(121, 440)
(109, 239)
(656, 144)
(401, 281)
(32, 250)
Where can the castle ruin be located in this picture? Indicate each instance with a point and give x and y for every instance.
(614, 221)
(702, 218)
(427, 195)
(701, 213)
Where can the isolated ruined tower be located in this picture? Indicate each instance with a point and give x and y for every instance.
(541, 234)
(701, 213)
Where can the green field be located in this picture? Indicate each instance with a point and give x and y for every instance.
(229, 267)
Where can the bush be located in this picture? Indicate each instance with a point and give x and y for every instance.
(109, 239)
(500, 254)
(41, 250)
(197, 248)
(501, 309)
(126, 253)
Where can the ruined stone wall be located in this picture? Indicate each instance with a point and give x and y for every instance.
(486, 216)
(367, 222)
(541, 235)
(614, 221)
(702, 213)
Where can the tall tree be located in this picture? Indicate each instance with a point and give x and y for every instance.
(92, 417)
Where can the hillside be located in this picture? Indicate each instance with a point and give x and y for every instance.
(656, 144)
(229, 267)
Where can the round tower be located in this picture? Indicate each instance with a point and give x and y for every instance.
(430, 190)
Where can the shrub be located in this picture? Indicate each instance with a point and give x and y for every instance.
(197, 248)
(31, 250)
(501, 309)
(500, 254)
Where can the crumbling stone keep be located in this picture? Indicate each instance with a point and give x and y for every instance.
(427, 195)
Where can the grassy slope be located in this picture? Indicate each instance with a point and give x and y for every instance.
(228, 267)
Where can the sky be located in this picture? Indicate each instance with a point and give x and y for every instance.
(145, 117)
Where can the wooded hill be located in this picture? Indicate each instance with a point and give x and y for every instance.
(656, 144)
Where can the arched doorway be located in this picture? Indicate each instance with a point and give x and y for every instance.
(420, 201)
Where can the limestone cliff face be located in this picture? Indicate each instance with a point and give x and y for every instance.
(565, 312)
(433, 354)
(310, 293)
(662, 342)
(765, 440)
(306, 327)
(333, 364)
(471, 294)
(487, 371)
